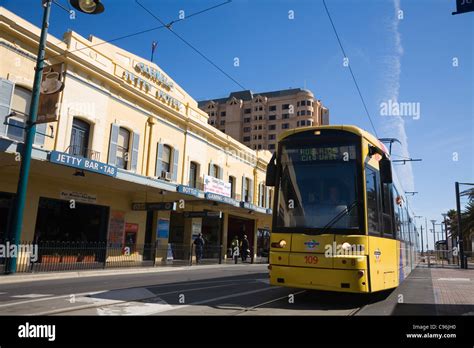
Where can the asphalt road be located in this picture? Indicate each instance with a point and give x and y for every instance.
(226, 290)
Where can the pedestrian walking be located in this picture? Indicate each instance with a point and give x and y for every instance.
(199, 245)
(244, 247)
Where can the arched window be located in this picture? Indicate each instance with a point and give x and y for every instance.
(193, 174)
(123, 145)
(166, 158)
(79, 138)
(232, 186)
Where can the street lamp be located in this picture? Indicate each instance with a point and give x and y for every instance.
(86, 6)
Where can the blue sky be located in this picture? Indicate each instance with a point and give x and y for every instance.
(407, 60)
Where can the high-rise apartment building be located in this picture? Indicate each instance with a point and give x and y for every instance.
(256, 119)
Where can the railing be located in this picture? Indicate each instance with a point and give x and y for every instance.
(81, 151)
(50, 256)
(446, 258)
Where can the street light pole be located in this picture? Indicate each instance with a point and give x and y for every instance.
(434, 236)
(14, 234)
(421, 227)
(30, 131)
(458, 217)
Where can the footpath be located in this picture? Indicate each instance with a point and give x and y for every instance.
(431, 292)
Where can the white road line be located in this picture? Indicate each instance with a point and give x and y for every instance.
(95, 302)
(456, 279)
(32, 295)
(49, 298)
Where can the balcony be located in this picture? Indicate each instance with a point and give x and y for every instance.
(81, 151)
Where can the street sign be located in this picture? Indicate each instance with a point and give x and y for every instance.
(463, 6)
(142, 206)
(201, 214)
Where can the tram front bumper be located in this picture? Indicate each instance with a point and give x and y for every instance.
(342, 280)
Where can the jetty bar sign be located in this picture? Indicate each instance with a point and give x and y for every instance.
(82, 163)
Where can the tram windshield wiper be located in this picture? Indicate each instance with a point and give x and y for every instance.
(338, 217)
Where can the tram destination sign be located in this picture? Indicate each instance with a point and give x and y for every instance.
(82, 163)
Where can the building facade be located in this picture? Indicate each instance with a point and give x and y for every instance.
(257, 119)
(130, 158)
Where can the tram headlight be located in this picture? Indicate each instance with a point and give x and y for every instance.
(346, 246)
(281, 244)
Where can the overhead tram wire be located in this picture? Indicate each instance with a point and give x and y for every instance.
(350, 69)
(168, 26)
(138, 32)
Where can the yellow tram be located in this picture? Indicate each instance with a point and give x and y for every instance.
(340, 217)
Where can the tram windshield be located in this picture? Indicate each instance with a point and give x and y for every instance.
(318, 188)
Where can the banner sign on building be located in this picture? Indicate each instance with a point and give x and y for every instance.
(82, 163)
(116, 227)
(250, 206)
(218, 186)
(222, 199)
(163, 228)
(188, 190)
(142, 206)
(78, 196)
(52, 84)
(463, 6)
(201, 214)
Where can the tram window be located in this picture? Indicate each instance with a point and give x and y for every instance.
(373, 194)
(387, 209)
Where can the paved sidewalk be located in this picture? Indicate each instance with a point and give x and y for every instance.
(454, 291)
(429, 292)
(29, 277)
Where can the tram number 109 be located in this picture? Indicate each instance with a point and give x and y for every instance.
(311, 259)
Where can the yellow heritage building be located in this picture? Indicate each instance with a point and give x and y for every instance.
(127, 141)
